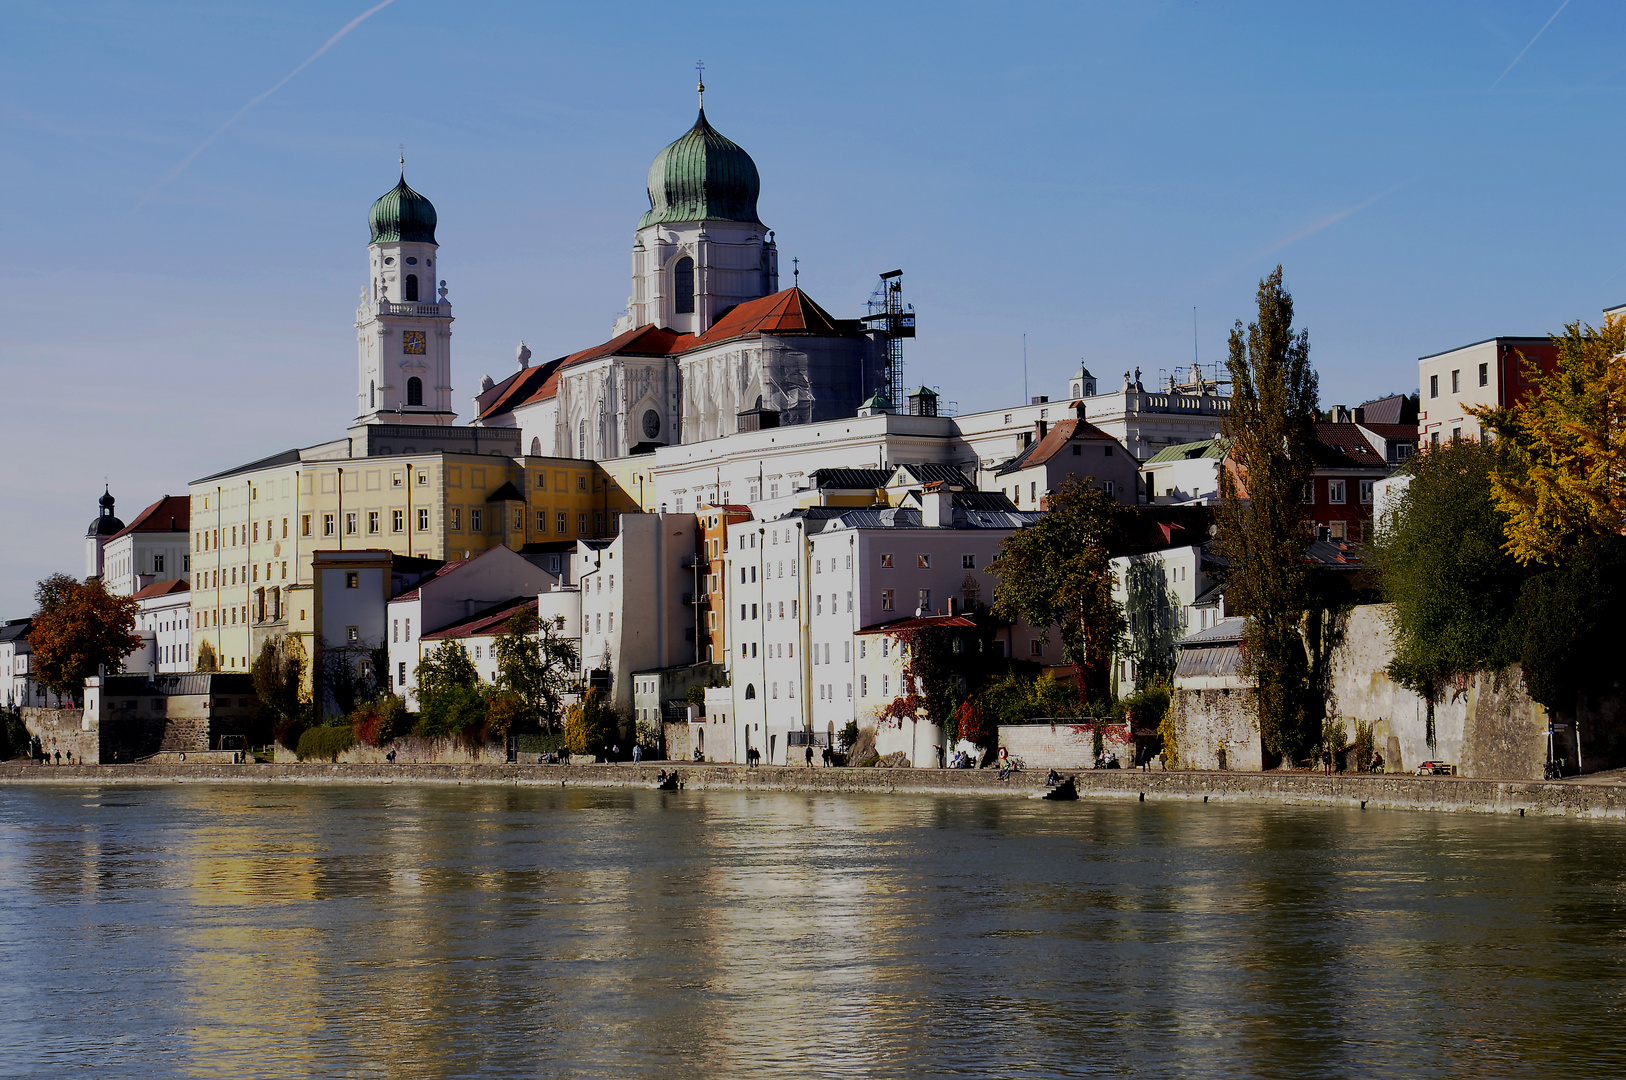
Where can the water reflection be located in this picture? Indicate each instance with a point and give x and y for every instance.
(434, 931)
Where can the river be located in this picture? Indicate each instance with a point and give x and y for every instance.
(436, 931)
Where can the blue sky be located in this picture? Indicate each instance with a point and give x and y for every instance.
(1085, 174)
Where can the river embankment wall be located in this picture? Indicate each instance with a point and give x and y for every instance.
(1436, 793)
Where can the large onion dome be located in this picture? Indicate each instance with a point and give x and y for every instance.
(702, 177)
(401, 215)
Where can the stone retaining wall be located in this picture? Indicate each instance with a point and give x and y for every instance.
(63, 731)
(1450, 794)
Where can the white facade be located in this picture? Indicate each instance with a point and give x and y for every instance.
(730, 262)
(403, 338)
(18, 689)
(1157, 590)
(802, 586)
(164, 621)
(458, 592)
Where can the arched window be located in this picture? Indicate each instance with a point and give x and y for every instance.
(414, 391)
(683, 286)
(750, 691)
(372, 394)
(412, 287)
(536, 447)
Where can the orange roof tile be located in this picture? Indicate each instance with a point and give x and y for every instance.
(172, 513)
(163, 588)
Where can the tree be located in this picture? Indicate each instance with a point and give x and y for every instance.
(1261, 518)
(207, 659)
(1440, 561)
(447, 667)
(1561, 479)
(535, 664)
(450, 699)
(279, 678)
(80, 629)
(590, 725)
(1057, 572)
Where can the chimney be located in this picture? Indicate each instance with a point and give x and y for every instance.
(1040, 399)
(1041, 427)
(1360, 416)
(937, 508)
(954, 605)
(1340, 415)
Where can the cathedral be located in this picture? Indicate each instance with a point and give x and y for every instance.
(708, 345)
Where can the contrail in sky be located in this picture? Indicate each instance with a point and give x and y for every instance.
(238, 115)
(1526, 49)
(1333, 219)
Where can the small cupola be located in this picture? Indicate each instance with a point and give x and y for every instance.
(923, 402)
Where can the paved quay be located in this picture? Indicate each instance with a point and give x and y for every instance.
(1595, 797)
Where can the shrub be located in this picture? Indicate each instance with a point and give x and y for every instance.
(325, 743)
(365, 721)
(1144, 708)
(392, 718)
(976, 726)
(590, 725)
(507, 712)
(848, 736)
(1365, 745)
(451, 711)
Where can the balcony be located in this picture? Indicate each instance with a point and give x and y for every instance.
(410, 307)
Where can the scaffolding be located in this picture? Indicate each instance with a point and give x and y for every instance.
(896, 321)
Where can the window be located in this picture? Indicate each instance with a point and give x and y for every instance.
(1335, 491)
(1433, 386)
(400, 673)
(1366, 492)
(1309, 494)
(350, 524)
(968, 562)
(423, 478)
(352, 634)
(1434, 439)
(457, 518)
(1456, 434)
(1484, 374)
(412, 287)
(372, 521)
(285, 528)
(581, 523)
(564, 522)
(395, 630)
(1109, 488)
(1036, 647)
(414, 391)
(352, 580)
(327, 524)
(886, 600)
(397, 520)
(1078, 451)
(849, 601)
(158, 564)
(581, 482)
(1456, 380)
(886, 560)
(926, 600)
(476, 520)
(541, 521)
(923, 561)
(683, 286)
(423, 520)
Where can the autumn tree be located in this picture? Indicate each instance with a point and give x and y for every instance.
(1058, 572)
(1561, 477)
(208, 659)
(79, 629)
(534, 663)
(1262, 533)
(279, 677)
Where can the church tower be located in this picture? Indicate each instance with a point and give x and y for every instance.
(701, 248)
(403, 329)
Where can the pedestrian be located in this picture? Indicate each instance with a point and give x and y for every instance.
(70, 757)
(810, 755)
(637, 753)
(390, 757)
(615, 751)
(939, 749)
(826, 757)
(59, 757)
(1326, 762)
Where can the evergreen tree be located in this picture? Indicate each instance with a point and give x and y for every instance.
(1262, 528)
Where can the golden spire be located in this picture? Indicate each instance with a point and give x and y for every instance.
(700, 82)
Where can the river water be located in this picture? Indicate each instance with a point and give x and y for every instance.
(424, 931)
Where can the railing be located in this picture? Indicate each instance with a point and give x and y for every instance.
(412, 307)
(1187, 403)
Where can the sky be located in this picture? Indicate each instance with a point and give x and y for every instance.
(184, 191)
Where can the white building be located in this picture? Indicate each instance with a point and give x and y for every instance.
(103, 527)
(1158, 591)
(154, 548)
(18, 688)
(1186, 473)
(496, 579)
(164, 621)
(633, 603)
(801, 587)
(478, 635)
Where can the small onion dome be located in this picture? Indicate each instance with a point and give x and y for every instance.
(105, 524)
(401, 215)
(702, 177)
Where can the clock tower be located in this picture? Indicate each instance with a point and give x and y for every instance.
(403, 324)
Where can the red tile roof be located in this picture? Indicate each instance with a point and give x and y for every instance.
(172, 513)
(790, 311)
(487, 623)
(925, 622)
(163, 588)
(1061, 433)
(1343, 446)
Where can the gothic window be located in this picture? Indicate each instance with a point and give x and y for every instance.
(581, 438)
(536, 449)
(683, 286)
(414, 391)
(412, 286)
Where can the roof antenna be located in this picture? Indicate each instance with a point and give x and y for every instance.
(700, 82)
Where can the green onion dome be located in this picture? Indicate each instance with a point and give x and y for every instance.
(702, 177)
(401, 215)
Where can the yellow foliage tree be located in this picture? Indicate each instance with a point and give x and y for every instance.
(1561, 476)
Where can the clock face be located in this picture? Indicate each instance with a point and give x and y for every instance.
(412, 342)
(652, 423)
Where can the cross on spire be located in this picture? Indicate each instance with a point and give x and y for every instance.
(402, 147)
(796, 272)
(700, 81)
